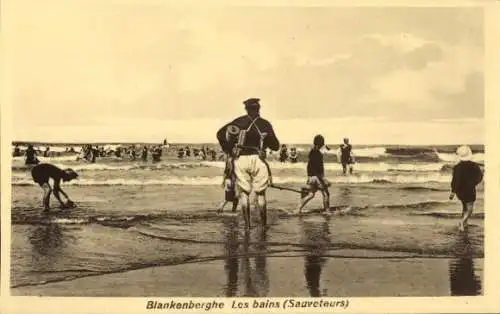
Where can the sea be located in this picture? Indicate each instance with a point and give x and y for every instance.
(133, 215)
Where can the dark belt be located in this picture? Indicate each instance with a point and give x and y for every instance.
(248, 150)
(248, 153)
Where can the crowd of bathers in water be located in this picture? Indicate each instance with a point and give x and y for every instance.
(91, 153)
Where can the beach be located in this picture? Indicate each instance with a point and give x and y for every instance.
(151, 229)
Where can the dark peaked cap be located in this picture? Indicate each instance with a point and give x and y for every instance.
(252, 102)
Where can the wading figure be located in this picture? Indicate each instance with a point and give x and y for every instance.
(246, 142)
(42, 173)
(346, 157)
(466, 176)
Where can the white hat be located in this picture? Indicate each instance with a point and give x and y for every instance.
(464, 153)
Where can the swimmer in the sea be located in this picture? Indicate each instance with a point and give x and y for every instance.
(346, 156)
(144, 155)
(293, 155)
(30, 156)
(42, 173)
(283, 153)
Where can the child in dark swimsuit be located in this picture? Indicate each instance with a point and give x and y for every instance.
(42, 173)
(466, 176)
(316, 176)
(229, 184)
(31, 158)
(346, 157)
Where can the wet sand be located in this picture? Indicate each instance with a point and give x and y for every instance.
(364, 275)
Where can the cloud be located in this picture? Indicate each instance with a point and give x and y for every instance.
(420, 57)
(167, 62)
(467, 101)
(402, 42)
(429, 78)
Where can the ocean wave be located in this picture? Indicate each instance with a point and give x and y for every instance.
(27, 216)
(373, 152)
(48, 159)
(423, 188)
(418, 205)
(447, 215)
(452, 158)
(118, 167)
(217, 180)
(361, 167)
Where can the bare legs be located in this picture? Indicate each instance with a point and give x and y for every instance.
(47, 191)
(310, 196)
(46, 196)
(467, 208)
(245, 208)
(261, 205)
(305, 200)
(346, 167)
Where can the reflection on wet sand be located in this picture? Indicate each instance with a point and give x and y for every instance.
(47, 245)
(261, 275)
(463, 280)
(47, 239)
(254, 278)
(232, 259)
(345, 195)
(316, 238)
(256, 281)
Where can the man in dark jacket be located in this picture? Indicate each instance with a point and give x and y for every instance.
(466, 176)
(246, 139)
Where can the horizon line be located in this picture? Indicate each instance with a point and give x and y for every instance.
(21, 142)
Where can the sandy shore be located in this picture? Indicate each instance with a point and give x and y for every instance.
(266, 276)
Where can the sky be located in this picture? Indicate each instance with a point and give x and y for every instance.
(103, 71)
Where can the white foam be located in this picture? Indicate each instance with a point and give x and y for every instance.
(275, 165)
(364, 167)
(373, 152)
(202, 181)
(452, 158)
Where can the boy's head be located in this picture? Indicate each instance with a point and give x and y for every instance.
(464, 153)
(319, 141)
(70, 175)
(346, 140)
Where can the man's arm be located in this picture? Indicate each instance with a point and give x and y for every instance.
(271, 141)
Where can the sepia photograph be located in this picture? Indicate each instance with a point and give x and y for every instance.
(167, 150)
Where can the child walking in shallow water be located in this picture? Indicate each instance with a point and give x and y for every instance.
(229, 184)
(316, 180)
(466, 176)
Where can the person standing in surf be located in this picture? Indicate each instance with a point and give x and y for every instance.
(466, 176)
(229, 185)
(42, 173)
(30, 156)
(346, 157)
(144, 155)
(283, 153)
(293, 155)
(316, 180)
(246, 139)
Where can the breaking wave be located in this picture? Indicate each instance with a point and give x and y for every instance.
(217, 180)
(362, 167)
